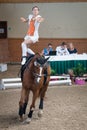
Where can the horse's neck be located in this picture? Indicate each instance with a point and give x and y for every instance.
(31, 69)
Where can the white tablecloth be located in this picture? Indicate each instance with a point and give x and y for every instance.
(68, 57)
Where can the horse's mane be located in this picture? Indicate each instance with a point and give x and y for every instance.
(23, 67)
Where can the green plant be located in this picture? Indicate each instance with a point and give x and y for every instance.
(79, 70)
(53, 72)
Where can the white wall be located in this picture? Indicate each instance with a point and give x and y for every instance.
(62, 20)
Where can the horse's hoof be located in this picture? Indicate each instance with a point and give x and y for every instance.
(27, 121)
(20, 119)
(40, 113)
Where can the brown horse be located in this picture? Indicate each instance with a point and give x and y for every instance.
(35, 78)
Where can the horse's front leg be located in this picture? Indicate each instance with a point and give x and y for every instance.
(26, 101)
(32, 107)
(41, 107)
(42, 95)
(23, 102)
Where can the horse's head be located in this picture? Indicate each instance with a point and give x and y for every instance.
(41, 61)
(39, 64)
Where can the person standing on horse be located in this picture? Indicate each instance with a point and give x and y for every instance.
(32, 36)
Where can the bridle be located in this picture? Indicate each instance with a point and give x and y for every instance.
(36, 75)
(38, 62)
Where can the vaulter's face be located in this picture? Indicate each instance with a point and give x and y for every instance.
(35, 11)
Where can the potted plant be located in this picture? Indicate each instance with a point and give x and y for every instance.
(79, 71)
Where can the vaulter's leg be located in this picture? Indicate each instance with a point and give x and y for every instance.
(25, 49)
(24, 53)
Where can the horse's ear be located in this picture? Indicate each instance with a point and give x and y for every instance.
(46, 59)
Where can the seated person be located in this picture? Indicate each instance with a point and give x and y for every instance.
(62, 49)
(71, 49)
(46, 51)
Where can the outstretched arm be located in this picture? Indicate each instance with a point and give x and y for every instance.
(23, 19)
(40, 19)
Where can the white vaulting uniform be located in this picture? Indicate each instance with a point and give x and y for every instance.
(32, 34)
(33, 29)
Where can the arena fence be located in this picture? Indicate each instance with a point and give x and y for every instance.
(16, 82)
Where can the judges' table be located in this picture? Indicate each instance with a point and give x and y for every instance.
(61, 64)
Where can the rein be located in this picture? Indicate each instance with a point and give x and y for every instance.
(37, 75)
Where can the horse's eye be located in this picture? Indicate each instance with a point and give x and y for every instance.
(35, 63)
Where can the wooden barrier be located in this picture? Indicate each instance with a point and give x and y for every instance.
(10, 83)
(16, 82)
(55, 80)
